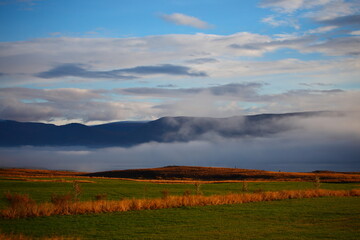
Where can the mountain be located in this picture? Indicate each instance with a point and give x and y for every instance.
(166, 129)
(193, 173)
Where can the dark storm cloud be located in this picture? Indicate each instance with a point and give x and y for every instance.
(159, 91)
(78, 70)
(296, 42)
(338, 46)
(245, 90)
(343, 21)
(331, 46)
(202, 60)
(166, 86)
(319, 84)
(164, 69)
(235, 89)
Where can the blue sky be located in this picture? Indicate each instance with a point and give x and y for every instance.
(105, 60)
(111, 18)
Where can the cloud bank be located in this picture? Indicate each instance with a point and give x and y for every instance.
(77, 70)
(320, 143)
(106, 105)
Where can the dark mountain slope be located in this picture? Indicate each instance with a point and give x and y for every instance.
(220, 174)
(166, 129)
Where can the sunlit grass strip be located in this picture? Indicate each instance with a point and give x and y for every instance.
(49, 180)
(23, 237)
(31, 209)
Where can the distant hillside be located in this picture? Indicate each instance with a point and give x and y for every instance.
(166, 129)
(174, 174)
(220, 174)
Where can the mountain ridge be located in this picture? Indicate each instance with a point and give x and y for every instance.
(130, 133)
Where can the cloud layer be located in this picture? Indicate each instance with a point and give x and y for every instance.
(76, 70)
(320, 143)
(86, 105)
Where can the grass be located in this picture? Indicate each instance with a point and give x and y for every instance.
(320, 218)
(23, 207)
(117, 189)
(23, 237)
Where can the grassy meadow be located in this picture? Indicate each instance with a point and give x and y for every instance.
(310, 218)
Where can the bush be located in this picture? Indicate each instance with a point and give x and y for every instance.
(17, 200)
(187, 193)
(165, 193)
(61, 199)
(245, 187)
(317, 182)
(99, 197)
(198, 188)
(76, 190)
(259, 190)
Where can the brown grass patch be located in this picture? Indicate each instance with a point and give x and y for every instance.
(186, 174)
(37, 172)
(23, 237)
(107, 206)
(50, 180)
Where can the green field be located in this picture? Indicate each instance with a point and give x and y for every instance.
(118, 189)
(321, 218)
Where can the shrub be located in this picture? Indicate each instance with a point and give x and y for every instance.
(61, 199)
(76, 190)
(17, 200)
(245, 186)
(259, 190)
(165, 193)
(99, 197)
(198, 188)
(21, 205)
(187, 193)
(317, 182)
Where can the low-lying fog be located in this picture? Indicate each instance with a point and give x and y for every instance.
(316, 143)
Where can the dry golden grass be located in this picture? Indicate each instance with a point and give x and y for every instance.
(23, 237)
(106, 206)
(50, 180)
(21, 172)
(185, 174)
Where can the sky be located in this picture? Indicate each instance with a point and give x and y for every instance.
(99, 61)
(102, 61)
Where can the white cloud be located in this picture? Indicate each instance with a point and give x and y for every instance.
(356, 33)
(321, 29)
(289, 6)
(62, 105)
(334, 9)
(28, 58)
(21, 61)
(281, 22)
(336, 47)
(89, 106)
(182, 19)
(319, 10)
